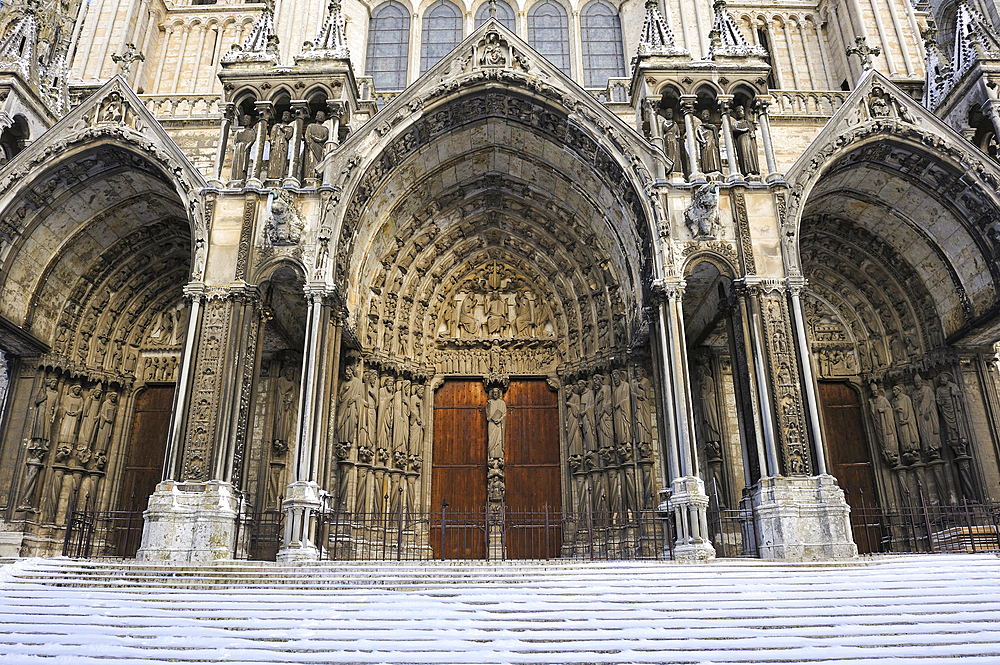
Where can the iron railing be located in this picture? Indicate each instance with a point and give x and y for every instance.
(495, 532)
(101, 533)
(259, 533)
(921, 526)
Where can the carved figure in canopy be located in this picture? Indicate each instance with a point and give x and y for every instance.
(707, 136)
(349, 407)
(281, 134)
(671, 132)
(242, 142)
(316, 135)
(745, 137)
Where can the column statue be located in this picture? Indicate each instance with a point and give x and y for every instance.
(371, 409)
(587, 415)
(349, 407)
(316, 135)
(885, 426)
(105, 424)
(744, 135)
(906, 426)
(88, 423)
(574, 438)
(242, 141)
(671, 132)
(711, 428)
(400, 418)
(496, 422)
(284, 421)
(281, 134)
(622, 408)
(384, 422)
(707, 136)
(927, 419)
(71, 411)
(603, 411)
(417, 420)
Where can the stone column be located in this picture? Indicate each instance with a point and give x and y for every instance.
(795, 287)
(265, 112)
(690, 144)
(228, 113)
(725, 106)
(300, 108)
(991, 109)
(765, 135)
(304, 496)
(654, 134)
(688, 500)
(335, 109)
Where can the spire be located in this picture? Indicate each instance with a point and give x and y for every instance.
(331, 42)
(18, 48)
(260, 45)
(726, 38)
(656, 38)
(974, 39)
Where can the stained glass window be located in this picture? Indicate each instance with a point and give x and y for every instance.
(601, 39)
(442, 31)
(504, 14)
(388, 46)
(548, 32)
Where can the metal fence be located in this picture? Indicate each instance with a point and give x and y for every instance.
(101, 533)
(920, 526)
(259, 533)
(495, 533)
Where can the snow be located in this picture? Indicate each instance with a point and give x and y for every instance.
(916, 609)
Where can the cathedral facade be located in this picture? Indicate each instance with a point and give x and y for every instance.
(560, 255)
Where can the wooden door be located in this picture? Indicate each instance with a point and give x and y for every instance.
(850, 462)
(144, 460)
(531, 462)
(459, 470)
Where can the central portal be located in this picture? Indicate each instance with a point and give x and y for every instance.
(485, 506)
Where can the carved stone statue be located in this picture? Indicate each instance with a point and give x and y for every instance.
(401, 416)
(384, 424)
(711, 430)
(417, 420)
(284, 420)
(72, 408)
(105, 424)
(243, 140)
(574, 438)
(281, 134)
(316, 135)
(522, 315)
(948, 396)
(906, 426)
(588, 425)
(623, 407)
(671, 132)
(885, 426)
(603, 413)
(285, 225)
(467, 316)
(496, 316)
(496, 423)
(349, 407)
(371, 409)
(744, 136)
(88, 421)
(45, 412)
(643, 410)
(707, 136)
(927, 419)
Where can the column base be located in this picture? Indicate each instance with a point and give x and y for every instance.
(689, 505)
(189, 522)
(302, 502)
(802, 518)
(11, 538)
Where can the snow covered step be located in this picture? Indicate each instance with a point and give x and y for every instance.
(917, 609)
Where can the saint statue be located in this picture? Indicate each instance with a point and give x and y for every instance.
(885, 426)
(927, 419)
(744, 135)
(573, 435)
(496, 316)
(88, 421)
(316, 135)
(670, 130)
(707, 136)
(622, 407)
(948, 395)
(243, 140)
(417, 420)
(603, 412)
(384, 418)
(281, 134)
(587, 423)
(371, 408)
(496, 421)
(467, 316)
(72, 408)
(45, 412)
(401, 416)
(105, 423)
(522, 315)
(906, 426)
(349, 404)
(284, 422)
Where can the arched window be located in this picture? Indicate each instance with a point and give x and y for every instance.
(504, 14)
(548, 33)
(601, 39)
(388, 45)
(442, 31)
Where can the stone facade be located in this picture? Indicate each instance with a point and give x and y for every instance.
(235, 275)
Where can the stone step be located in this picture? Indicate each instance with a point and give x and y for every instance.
(919, 609)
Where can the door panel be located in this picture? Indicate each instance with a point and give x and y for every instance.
(849, 460)
(459, 470)
(144, 461)
(531, 462)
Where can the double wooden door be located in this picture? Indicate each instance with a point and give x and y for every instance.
(849, 460)
(531, 472)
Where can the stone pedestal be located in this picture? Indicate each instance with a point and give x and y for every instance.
(302, 503)
(689, 505)
(802, 518)
(10, 540)
(189, 522)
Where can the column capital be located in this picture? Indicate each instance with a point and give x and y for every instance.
(669, 288)
(229, 111)
(761, 102)
(687, 104)
(335, 107)
(725, 103)
(300, 107)
(796, 285)
(265, 109)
